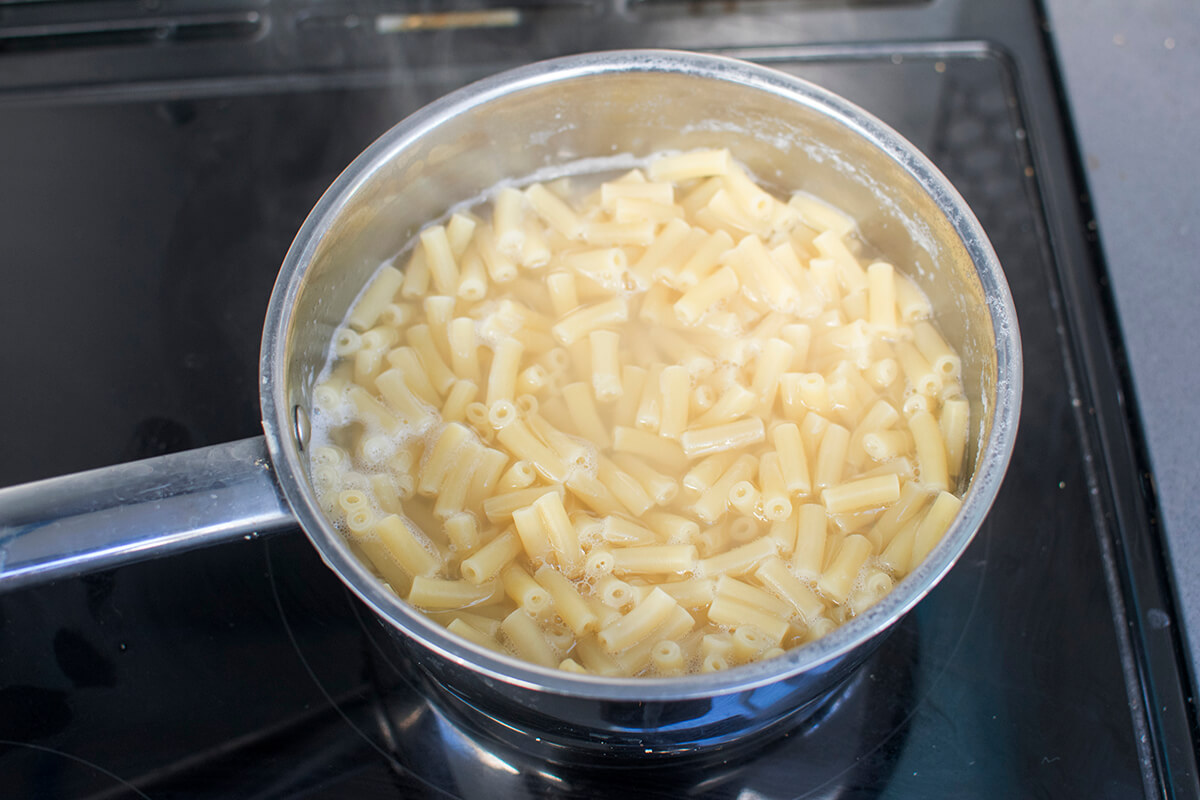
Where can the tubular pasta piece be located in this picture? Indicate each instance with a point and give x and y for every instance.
(881, 296)
(954, 422)
(385, 565)
(726, 610)
(527, 593)
(624, 411)
(416, 276)
(618, 233)
(499, 508)
(691, 592)
(375, 297)
(606, 365)
(649, 408)
(662, 251)
(502, 377)
(663, 452)
(500, 268)
(624, 487)
(861, 494)
(729, 436)
(518, 476)
(917, 370)
(527, 640)
(775, 503)
(459, 232)
(598, 562)
(487, 474)
(831, 457)
(412, 410)
(744, 497)
(454, 409)
(507, 222)
(522, 444)
(582, 321)
(626, 533)
(569, 604)
(753, 201)
(473, 276)
(672, 527)
(685, 166)
(674, 384)
(464, 349)
(638, 623)
(585, 416)
(706, 473)
(934, 525)
(453, 490)
(660, 192)
(740, 560)
(811, 535)
(440, 257)
(596, 659)
(776, 356)
(704, 259)
(820, 215)
(372, 410)
(734, 402)
(486, 562)
(472, 634)
(793, 462)
(463, 532)
(442, 594)
(879, 417)
(437, 466)
(838, 578)
(912, 302)
(410, 549)
(594, 494)
(931, 450)
(698, 300)
(897, 556)
(783, 533)
(882, 373)
(560, 532)
(850, 274)
(661, 489)
(408, 362)
(554, 212)
(603, 266)
(783, 583)
(714, 501)
(667, 559)
(636, 659)
(667, 658)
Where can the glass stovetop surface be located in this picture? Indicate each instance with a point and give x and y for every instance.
(141, 240)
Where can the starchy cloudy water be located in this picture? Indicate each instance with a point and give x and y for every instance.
(640, 423)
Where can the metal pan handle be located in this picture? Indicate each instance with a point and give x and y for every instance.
(66, 526)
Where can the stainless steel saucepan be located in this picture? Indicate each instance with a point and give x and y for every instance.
(792, 135)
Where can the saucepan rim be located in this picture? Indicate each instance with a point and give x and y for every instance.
(279, 413)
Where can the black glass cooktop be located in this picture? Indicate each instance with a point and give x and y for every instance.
(141, 237)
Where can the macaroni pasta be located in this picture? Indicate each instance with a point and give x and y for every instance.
(659, 424)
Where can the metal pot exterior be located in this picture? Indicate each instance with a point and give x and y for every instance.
(792, 135)
(566, 728)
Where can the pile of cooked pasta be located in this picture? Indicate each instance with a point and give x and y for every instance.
(662, 424)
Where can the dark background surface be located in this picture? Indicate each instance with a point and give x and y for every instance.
(144, 221)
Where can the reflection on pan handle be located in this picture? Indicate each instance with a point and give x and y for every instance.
(66, 526)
